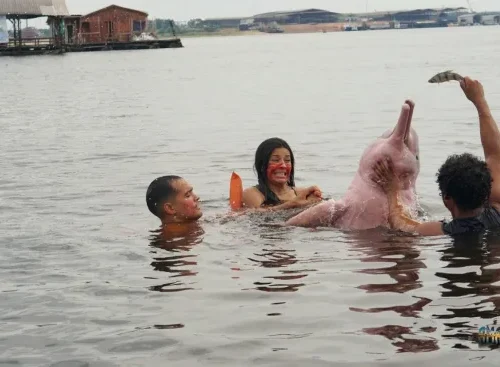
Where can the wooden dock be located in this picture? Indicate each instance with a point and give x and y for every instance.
(29, 51)
(135, 45)
(48, 48)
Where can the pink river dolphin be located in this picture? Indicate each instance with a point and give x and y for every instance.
(364, 205)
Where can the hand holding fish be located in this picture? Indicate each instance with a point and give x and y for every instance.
(473, 90)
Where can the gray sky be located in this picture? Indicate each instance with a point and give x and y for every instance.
(188, 9)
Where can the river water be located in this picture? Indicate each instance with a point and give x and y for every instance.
(86, 279)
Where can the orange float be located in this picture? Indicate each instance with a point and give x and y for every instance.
(236, 192)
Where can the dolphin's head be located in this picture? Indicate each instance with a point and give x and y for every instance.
(401, 146)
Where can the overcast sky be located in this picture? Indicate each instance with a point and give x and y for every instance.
(188, 9)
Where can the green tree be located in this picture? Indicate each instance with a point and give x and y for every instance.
(195, 23)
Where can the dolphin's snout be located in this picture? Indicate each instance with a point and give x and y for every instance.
(411, 104)
(402, 130)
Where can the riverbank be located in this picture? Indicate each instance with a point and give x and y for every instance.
(288, 28)
(218, 33)
(313, 28)
(292, 28)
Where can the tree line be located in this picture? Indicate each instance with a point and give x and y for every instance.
(165, 26)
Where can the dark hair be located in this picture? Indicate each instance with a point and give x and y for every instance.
(466, 179)
(159, 190)
(262, 156)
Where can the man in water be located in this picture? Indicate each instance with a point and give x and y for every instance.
(465, 181)
(173, 201)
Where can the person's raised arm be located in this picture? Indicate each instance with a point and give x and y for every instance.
(490, 134)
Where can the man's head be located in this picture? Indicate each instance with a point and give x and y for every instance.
(465, 183)
(172, 199)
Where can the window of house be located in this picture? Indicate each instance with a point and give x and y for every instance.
(86, 27)
(138, 26)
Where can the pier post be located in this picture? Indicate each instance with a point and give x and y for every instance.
(173, 27)
(19, 32)
(12, 20)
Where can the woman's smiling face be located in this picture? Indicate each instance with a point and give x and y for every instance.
(279, 166)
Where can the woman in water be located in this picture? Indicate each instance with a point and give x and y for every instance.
(274, 163)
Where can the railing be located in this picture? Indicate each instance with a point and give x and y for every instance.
(77, 39)
(87, 37)
(35, 42)
(97, 37)
(122, 37)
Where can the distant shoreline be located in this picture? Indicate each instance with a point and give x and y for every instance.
(224, 32)
(288, 29)
(292, 28)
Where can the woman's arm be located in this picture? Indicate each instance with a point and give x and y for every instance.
(253, 199)
(311, 190)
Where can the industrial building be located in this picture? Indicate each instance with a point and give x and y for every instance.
(490, 18)
(420, 15)
(306, 16)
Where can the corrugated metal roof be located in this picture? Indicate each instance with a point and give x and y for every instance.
(293, 12)
(41, 8)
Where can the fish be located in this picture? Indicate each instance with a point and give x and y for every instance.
(446, 76)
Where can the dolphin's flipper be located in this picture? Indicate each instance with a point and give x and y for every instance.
(322, 215)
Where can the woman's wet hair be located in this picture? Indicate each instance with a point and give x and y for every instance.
(262, 156)
(466, 179)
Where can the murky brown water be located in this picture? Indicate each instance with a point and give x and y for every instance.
(86, 280)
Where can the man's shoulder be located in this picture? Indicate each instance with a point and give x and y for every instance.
(463, 225)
